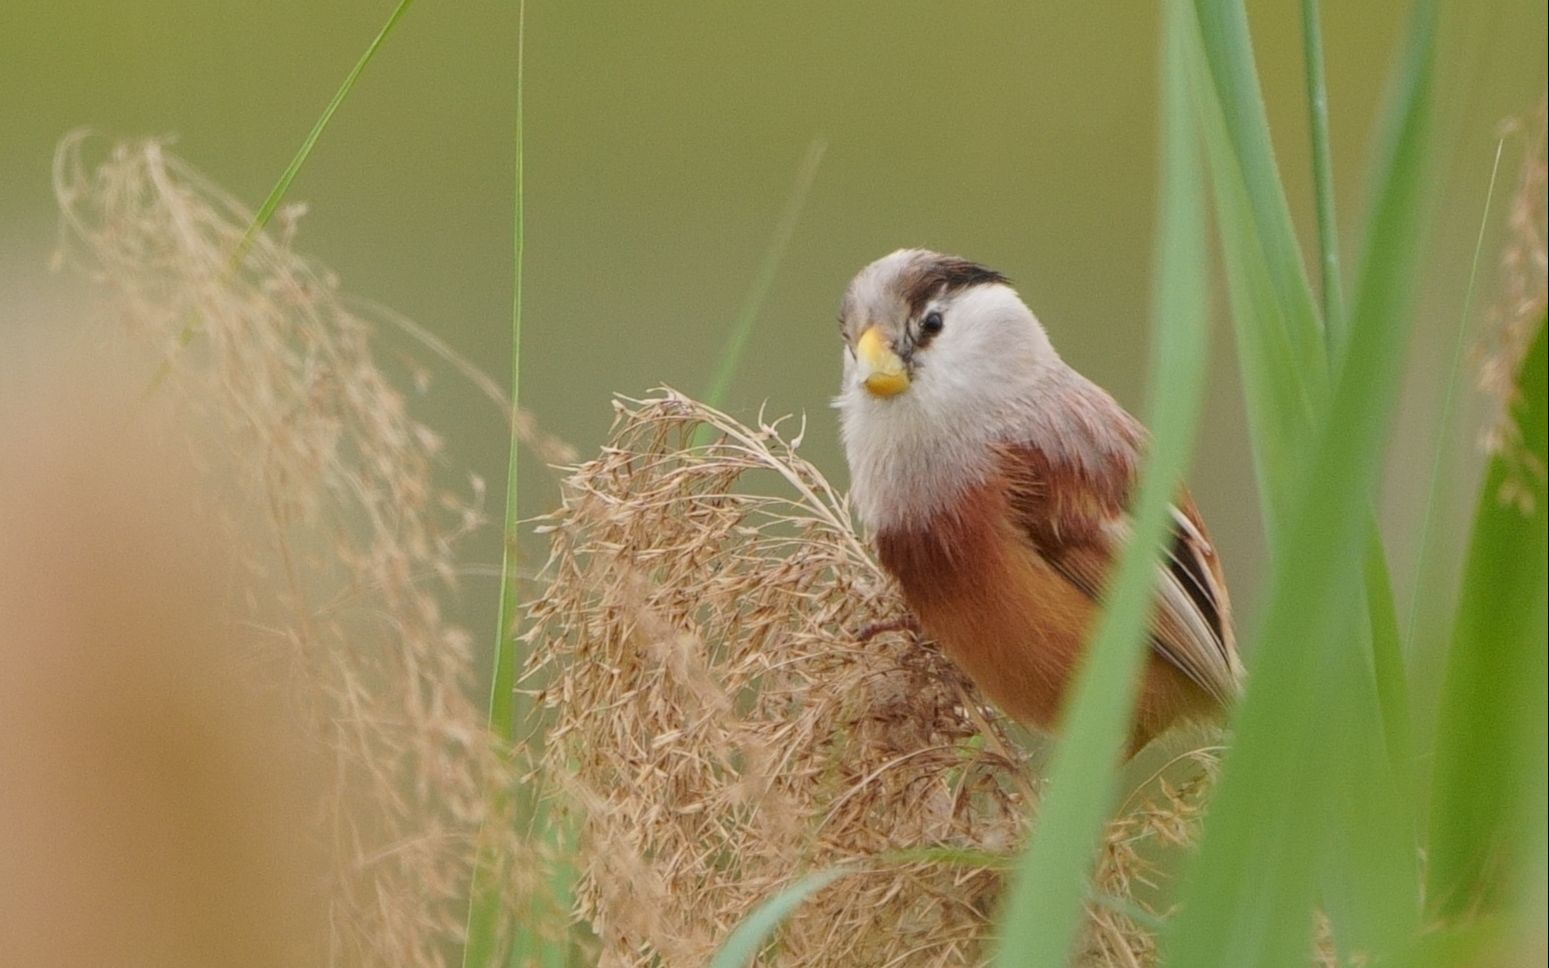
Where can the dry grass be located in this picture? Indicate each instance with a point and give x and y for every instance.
(729, 691)
(1524, 298)
(722, 720)
(314, 472)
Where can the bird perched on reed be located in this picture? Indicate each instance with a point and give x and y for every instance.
(996, 479)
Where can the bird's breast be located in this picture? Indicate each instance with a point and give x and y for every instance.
(1012, 623)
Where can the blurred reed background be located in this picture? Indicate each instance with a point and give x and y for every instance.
(663, 140)
(662, 149)
(154, 782)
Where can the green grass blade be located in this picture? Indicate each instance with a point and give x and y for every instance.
(1369, 886)
(1044, 907)
(763, 281)
(1223, 26)
(1448, 410)
(754, 932)
(1482, 941)
(277, 193)
(485, 931)
(1323, 179)
(1387, 651)
(1278, 397)
(1286, 781)
(502, 711)
(554, 948)
(1488, 815)
(1285, 390)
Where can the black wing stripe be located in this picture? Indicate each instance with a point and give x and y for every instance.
(1190, 572)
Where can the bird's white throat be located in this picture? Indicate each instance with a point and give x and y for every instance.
(985, 379)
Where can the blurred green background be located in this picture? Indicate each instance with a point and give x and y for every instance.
(662, 142)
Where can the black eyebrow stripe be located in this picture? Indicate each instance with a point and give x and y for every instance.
(942, 276)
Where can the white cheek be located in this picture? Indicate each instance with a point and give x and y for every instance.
(911, 455)
(957, 379)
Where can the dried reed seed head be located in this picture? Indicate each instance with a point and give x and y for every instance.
(721, 723)
(322, 483)
(716, 719)
(1524, 298)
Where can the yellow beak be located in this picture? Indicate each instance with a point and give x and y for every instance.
(881, 371)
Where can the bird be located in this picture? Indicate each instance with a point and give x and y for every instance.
(995, 481)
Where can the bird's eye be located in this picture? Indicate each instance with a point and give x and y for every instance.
(932, 323)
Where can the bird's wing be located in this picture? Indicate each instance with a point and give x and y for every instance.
(1074, 515)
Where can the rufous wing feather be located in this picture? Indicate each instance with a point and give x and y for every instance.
(1074, 515)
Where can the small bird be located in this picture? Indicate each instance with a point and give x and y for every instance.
(995, 480)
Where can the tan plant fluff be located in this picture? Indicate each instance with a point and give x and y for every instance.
(322, 481)
(735, 698)
(1515, 320)
(730, 692)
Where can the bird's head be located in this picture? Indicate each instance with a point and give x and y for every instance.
(941, 358)
(937, 328)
